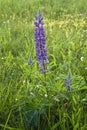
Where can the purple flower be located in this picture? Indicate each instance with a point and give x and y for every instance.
(30, 62)
(40, 40)
(68, 81)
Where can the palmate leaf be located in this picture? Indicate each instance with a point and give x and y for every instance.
(82, 88)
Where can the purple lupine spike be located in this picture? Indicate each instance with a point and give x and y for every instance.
(68, 82)
(40, 40)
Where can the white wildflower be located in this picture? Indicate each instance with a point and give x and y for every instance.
(82, 58)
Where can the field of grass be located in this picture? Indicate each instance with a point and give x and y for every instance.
(28, 101)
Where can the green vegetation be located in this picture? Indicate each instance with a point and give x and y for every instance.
(27, 101)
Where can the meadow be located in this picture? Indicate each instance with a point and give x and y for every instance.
(30, 100)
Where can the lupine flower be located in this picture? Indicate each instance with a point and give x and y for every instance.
(30, 62)
(40, 40)
(64, 67)
(68, 82)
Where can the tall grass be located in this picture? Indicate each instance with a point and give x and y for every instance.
(24, 101)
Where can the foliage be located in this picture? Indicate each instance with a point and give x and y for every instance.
(28, 101)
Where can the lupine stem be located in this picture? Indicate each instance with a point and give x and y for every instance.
(40, 40)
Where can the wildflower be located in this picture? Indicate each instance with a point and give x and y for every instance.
(82, 58)
(64, 67)
(68, 82)
(30, 62)
(40, 40)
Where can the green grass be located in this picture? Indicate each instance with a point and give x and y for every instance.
(26, 103)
